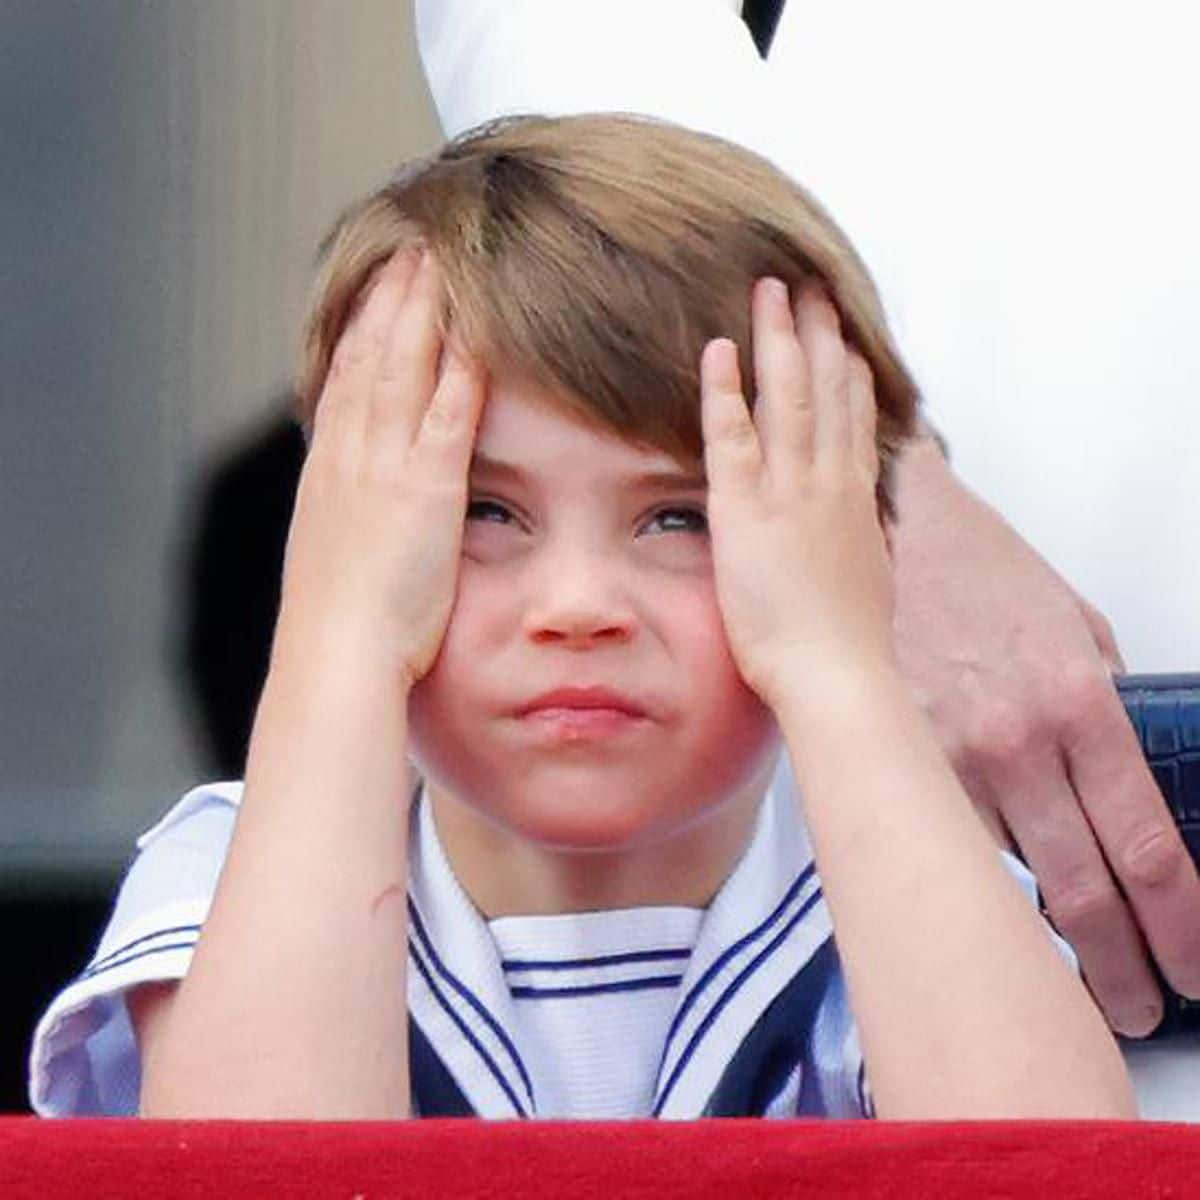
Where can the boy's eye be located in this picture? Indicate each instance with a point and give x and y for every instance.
(679, 520)
(488, 510)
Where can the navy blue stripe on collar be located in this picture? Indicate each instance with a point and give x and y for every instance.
(597, 989)
(440, 967)
(734, 985)
(414, 955)
(761, 930)
(101, 963)
(92, 972)
(601, 960)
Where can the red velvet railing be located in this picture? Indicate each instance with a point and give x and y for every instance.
(732, 1160)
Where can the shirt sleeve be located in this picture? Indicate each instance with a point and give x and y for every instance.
(84, 1059)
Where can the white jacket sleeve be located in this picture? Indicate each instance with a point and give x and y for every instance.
(84, 1059)
(688, 61)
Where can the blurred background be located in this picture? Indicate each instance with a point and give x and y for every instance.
(169, 168)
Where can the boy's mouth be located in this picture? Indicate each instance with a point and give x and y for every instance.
(581, 714)
(582, 700)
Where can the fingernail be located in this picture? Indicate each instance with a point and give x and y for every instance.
(775, 289)
(1139, 1022)
(719, 363)
(1189, 987)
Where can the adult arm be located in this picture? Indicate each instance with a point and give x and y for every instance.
(1038, 737)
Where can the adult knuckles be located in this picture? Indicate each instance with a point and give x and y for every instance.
(1003, 731)
(1152, 857)
(1085, 696)
(1083, 907)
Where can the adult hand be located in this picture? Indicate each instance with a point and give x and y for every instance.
(1015, 672)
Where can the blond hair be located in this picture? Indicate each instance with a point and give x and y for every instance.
(595, 256)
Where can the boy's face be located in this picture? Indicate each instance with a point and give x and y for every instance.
(576, 574)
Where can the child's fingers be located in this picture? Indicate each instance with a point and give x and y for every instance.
(784, 409)
(820, 333)
(408, 364)
(344, 406)
(863, 413)
(732, 453)
(452, 418)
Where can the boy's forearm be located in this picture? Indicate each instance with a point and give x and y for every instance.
(965, 1008)
(295, 1003)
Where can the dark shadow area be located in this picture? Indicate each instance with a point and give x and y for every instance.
(48, 937)
(230, 582)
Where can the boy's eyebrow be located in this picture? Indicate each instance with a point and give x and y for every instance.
(665, 480)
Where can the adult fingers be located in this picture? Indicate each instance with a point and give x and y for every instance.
(783, 411)
(1040, 808)
(732, 453)
(1136, 830)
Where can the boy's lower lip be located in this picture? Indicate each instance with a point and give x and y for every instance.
(571, 724)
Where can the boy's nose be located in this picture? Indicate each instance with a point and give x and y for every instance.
(579, 605)
(580, 631)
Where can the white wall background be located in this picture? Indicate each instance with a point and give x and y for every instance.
(168, 170)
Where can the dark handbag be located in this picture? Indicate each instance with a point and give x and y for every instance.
(1165, 711)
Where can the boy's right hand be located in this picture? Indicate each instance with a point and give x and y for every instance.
(372, 556)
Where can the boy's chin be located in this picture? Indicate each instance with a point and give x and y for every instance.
(594, 812)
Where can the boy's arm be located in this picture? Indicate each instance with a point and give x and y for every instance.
(295, 1002)
(964, 1007)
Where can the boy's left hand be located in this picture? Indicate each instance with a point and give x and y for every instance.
(802, 570)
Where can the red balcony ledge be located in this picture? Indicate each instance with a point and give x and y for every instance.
(729, 1159)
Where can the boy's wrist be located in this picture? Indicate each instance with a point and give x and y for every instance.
(346, 654)
(813, 703)
(335, 695)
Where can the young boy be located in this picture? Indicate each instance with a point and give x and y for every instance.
(610, 616)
